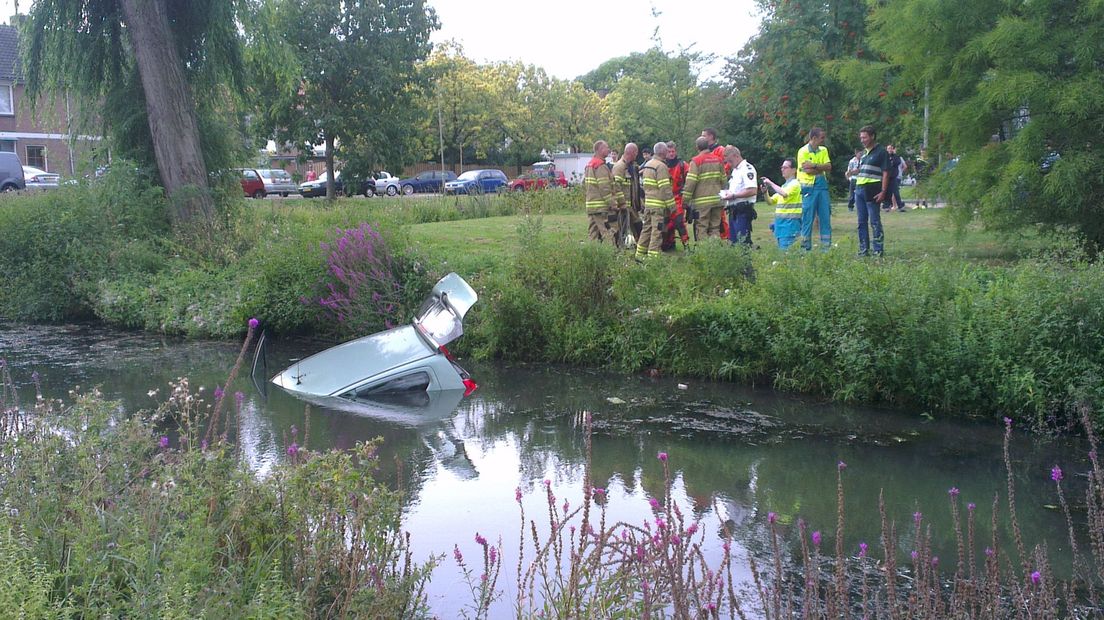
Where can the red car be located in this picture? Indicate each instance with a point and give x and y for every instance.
(251, 183)
(538, 179)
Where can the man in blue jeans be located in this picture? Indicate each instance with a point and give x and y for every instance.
(813, 166)
(871, 187)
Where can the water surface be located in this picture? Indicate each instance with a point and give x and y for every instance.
(735, 453)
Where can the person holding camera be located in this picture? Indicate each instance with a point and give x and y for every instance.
(786, 199)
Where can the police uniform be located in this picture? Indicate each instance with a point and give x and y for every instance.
(741, 211)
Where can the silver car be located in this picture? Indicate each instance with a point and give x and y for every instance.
(37, 178)
(407, 359)
(278, 181)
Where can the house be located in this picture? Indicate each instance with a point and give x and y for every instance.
(44, 139)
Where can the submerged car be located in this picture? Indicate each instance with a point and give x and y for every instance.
(407, 359)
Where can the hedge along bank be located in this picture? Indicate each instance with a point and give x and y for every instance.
(943, 336)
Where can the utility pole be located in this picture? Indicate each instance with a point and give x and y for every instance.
(441, 133)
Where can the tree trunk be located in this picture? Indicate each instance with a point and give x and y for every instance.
(330, 180)
(171, 112)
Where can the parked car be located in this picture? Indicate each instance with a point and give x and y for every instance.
(11, 172)
(317, 187)
(251, 183)
(37, 178)
(477, 182)
(277, 181)
(408, 359)
(428, 181)
(538, 179)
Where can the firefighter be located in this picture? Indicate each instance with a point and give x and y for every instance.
(601, 196)
(659, 202)
(677, 223)
(626, 174)
(704, 180)
(711, 134)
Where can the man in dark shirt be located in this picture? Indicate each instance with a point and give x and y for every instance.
(894, 193)
(871, 188)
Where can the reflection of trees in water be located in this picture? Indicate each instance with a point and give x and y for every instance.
(751, 452)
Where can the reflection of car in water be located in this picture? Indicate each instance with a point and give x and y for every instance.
(394, 364)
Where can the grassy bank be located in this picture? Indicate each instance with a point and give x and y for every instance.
(946, 324)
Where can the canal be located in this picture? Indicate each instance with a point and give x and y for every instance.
(735, 453)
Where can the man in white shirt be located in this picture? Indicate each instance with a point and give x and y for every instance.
(852, 170)
(739, 198)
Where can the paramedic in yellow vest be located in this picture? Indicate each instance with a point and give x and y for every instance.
(659, 202)
(701, 193)
(600, 195)
(786, 199)
(626, 175)
(813, 166)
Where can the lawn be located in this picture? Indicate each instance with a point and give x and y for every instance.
(476, 245)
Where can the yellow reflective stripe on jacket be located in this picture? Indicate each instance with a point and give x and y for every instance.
(657, 185)
(600, 192)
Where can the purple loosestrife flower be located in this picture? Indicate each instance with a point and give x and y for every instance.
(654, 503)
(293, 450)
(547, 482)
(164, 442)
(239, 397)
(35, 376)
(1036, 577)
(1056, 474)
(456, 554)
(517, 495)
(693, 529)
(294, 431)
(493, 555)
(203, 444)
(862, 550)
(816, 538)
(953, 492)
(662, 456)
(219, 393)
(971, 506)
(914, 555)
(841, 466)
(989, 552)
(253, 323)
(935, 561)
(917, 517)
(675, 540)
(1007, 422)
(660, 524)
(772, 517)
(479, 540)
(598, 491)
(566, 506)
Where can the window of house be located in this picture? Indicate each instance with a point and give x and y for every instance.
(7, 146)
(7, 100)
(36, 156)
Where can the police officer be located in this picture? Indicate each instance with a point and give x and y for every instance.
(739, 198)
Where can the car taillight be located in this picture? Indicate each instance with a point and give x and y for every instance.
(444, 351)
(470, 386)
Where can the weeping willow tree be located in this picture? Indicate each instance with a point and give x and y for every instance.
(156, 76)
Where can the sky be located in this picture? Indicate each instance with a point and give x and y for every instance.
(571, 37)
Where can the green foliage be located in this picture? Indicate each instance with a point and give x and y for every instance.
(354, 77)
(1016, 93)
(101, 521)
(56, 247)
(81, 48)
